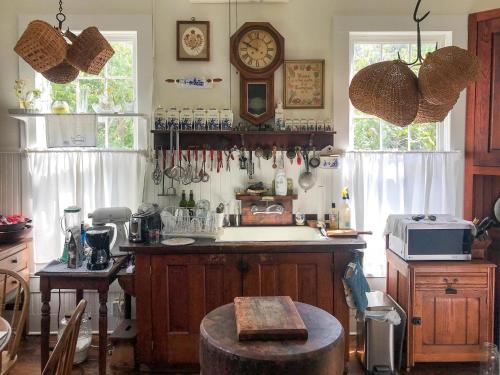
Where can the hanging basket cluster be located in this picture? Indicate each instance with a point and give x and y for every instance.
(47, 51)
(391, 91)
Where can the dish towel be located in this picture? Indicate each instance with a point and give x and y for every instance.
(71, 131)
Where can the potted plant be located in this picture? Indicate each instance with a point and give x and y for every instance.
(26, 97)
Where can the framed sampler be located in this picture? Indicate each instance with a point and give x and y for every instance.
(193, 40)
(304, 84)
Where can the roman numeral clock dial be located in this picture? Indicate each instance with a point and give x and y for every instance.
(257, 50)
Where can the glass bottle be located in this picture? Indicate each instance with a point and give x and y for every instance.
(334, 217)
(191, 204)
(489, 360)
(183, 203)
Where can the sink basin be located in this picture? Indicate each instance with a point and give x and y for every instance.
(270, 234)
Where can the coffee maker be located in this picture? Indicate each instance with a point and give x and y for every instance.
(98, 240)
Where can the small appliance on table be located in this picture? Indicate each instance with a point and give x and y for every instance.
(114, 218)
(147, 218)
(433, 237)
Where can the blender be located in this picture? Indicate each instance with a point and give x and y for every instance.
(70, 221)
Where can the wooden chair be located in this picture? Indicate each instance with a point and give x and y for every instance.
(13, 289)
(61, 359)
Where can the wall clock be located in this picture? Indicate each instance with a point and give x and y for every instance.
(257, 50)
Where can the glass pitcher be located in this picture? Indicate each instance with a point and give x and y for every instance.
(72, 218)
(489, 360)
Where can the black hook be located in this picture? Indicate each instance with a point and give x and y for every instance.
(420, 58)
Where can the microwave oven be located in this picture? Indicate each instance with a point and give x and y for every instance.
(433, 241)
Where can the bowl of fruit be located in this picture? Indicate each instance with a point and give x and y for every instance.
(12, 227)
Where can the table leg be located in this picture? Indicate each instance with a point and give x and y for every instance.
(79, 296)
(103, 330)
(45, 323)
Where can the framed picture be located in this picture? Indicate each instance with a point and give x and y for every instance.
(193, 40)
(304, 84)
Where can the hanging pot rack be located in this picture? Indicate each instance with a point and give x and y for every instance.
(60, 17)
(420, 59)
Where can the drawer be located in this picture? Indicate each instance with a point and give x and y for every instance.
(16, 261)
(440, 280)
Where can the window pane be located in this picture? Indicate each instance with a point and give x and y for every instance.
(364, 55)
(390, 51)
(101, 135)
(423, 137)
(95, 89)
(121, 90)
(65, 93)
(394, 138)
(121, 133)
(120, 65)
(366, 134)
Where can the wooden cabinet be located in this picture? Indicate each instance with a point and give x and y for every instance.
(175, 292)
(449, 306)
(15, 257)
(305, 278)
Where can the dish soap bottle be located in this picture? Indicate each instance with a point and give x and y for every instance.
(345, 211)
(281, 182)
(334, 217)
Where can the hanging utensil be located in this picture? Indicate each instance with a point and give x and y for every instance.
(157, 171)
(282, 158)
(268, 153)
(205, 177)
(220, 161)
(243, 159)
(171, 172)
(290, 154)
(189, 170)
(251, 167)
(306, 179)
(196, 176)
(274, 157)
(314, 162)
(297, 151)
(211, 160)
(259, 152)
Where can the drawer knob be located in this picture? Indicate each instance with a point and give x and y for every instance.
(14, 260)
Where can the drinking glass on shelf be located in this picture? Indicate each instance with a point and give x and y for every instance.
(83, 100)
(489, 360)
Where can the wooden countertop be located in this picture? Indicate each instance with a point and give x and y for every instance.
(208, 246)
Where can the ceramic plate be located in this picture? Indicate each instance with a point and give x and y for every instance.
(178, 241)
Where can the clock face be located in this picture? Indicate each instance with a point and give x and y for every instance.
(257, 49)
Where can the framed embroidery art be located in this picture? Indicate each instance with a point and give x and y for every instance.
(193, 40)
(304, 84)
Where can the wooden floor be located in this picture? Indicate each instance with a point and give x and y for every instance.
(29, 364)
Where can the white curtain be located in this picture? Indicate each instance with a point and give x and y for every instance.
(87, 179)
(384, 183)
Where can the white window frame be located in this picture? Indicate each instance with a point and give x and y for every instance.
(443, 39)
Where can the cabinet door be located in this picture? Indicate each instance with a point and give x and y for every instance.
(305, 278)
(452, 326)
(487, 95)
(184, 289)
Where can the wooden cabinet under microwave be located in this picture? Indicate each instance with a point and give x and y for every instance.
(449, 304)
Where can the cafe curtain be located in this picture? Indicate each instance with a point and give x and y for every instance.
(87, 179)
(384, 183)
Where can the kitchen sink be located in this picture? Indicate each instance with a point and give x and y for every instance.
(270, 234)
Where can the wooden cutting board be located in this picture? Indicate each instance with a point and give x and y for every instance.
(268, 318)
(345, 233)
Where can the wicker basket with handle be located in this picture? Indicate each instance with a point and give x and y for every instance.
(388, 90)
(62, 73)
(89, 51)
(42, 46)
(428, 112)
(445, 73)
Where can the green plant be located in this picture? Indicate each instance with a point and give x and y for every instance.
(24, 96)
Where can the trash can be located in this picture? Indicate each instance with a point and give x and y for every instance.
(379, 338)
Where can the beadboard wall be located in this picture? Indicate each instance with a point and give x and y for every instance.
(10, 182)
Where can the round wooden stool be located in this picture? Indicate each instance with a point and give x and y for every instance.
(222, 354)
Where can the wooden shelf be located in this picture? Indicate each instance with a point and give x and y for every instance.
(268, 198)
(27, 116)
(249, 139)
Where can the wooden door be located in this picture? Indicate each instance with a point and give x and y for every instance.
(305, 278)
(184, 289)
(482, 137)
(452, 327)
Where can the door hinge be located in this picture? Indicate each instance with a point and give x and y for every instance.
(416, 320)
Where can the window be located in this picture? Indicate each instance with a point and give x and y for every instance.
(369, 133)
(118, 80)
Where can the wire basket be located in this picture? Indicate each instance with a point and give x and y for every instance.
(183, 222)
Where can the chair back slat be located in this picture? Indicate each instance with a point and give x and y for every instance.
(61, 359)
(15, 289)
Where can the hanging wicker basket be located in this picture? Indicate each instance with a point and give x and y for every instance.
(388, 90)
(42, 46)
(89, 51)
(428, 113)
(62, 73)
(445, 73)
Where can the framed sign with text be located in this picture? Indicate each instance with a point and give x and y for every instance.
(304, 84)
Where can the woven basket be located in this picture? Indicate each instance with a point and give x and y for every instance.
(90, 51)
(428, 112)
(41, 46)
(62, 73)
(388, 90)
(445, 73)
